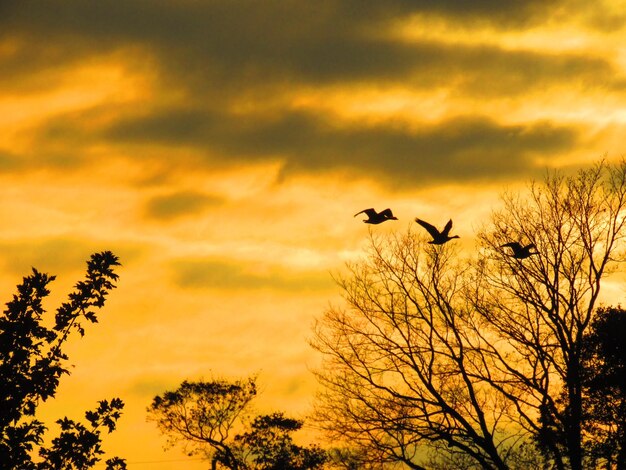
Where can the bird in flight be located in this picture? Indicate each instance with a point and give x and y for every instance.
(377, 217)
(439, 238)
(519, 251)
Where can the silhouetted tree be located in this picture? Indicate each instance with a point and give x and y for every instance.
(32, 362)
(202, 416)
(604, 387)
(350, 458)
(480, 357)
(269, 446)
(541, 308)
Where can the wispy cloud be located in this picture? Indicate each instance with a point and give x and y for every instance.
(179, 204)
(226, 275)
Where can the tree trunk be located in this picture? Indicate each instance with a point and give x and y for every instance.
(574, 416)
(621, 451)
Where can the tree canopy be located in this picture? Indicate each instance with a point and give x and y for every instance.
(211, 418)
(604, 387)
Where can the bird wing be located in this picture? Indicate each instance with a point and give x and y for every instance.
(369, 212)
(446, 229)
(430, 228)
(529, 246)
(513, 245)
(387, 213)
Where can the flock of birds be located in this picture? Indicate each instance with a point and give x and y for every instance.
(519, 251)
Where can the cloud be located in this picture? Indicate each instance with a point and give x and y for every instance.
(152, 385)
(462, 148)
(219, 274)
(58, 255)
(244, 20)
(179, 204)
(227, 46)
(215, 54)
(465, 148)
(8, 161)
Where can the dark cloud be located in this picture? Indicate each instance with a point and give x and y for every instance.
(9, 161)
(234, 45)
(219, 52)
(229, 275)
(179, 204)
(466, 148)
(243, 21)
(458, 149)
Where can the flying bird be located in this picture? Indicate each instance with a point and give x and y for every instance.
(439, 238)
(377, 217)
(519, 251)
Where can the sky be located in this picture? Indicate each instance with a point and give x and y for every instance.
(221, 149)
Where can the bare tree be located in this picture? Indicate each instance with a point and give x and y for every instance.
(542, 306)
(482, 357)
(401, 360)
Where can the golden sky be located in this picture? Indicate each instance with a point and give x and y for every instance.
(220, 149)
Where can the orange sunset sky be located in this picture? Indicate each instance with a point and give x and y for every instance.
(221, 148)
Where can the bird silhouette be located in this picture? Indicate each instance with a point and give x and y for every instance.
(439, 238)
(377, 217)
(519, 251)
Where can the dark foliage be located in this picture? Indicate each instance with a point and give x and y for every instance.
(79, 447)
(605, 387)
(201, 416)
(271, 447)
(32, 362)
